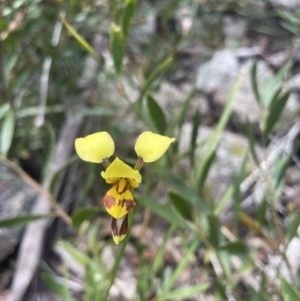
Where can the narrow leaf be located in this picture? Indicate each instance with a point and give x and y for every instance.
(275, 111)
(160, 254)
(179, 119)
(262, 210)
(236, 247)
(60, 289)
(157, 72)
(22, 220)
(254, 83)
(293, 227)
(130, 6)
(236, 190)
(83, 214)
(289, 292)
(117, 46)
(179, 270)
(180, 185)
(208, 158)
(252, 143)
(186, 292)
(163, 211)
(76, 254)
(3, 110)
(7, 132)
(196, 124)
(214, 231)
(157, 114)
(181, 205)
(79, 38)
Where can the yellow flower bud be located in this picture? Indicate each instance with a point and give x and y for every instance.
(150, 147)
(95, 147)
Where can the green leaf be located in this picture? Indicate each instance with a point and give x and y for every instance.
(3, 110)
(7, 132)
(178, 270)
(236, 247)
(181, 205)
(184, 189)
(94, 111)
(163, 211)
(283, 164)
(117, 46)
(250, 135)
(271, 86)
(58, 288)
(160, 254)
(261, 212)
(236, 190)
(76, 254)
(254, 83)
(214, 230)
(275, 111)
(196, 124)
(293, 227)
(179, 119)
(35, 110)
(82, 214)
(158, 71)
(157, 114)
(186, 292)
(289, 292)
(79, 38)
(226, 197)
(22, 220)
(130, 6)
(214, 141)
(224, 259)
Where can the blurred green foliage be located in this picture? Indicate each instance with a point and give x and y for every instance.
(52, 66)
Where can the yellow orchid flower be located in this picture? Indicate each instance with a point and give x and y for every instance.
(119, 200)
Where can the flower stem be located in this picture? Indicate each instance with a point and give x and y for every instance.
(139, 163)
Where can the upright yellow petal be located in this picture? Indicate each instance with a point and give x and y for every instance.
(152, 146)
(119, 169)
(95, 147)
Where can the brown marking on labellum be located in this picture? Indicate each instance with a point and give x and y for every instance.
(129, 204)
(126, 186)
(109, 201)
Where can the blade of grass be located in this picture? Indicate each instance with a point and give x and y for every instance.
(22, 220)
(178, 271)
(289, 292)
(117, 46)
(204, 167)
(157, 114)
(186, 292)
(80, 39)
(7, 132)
(158, 260)
(158, 71)
(254, 83)
(163, 211)
(130, 6)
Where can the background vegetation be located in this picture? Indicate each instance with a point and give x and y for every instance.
(71, 68)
